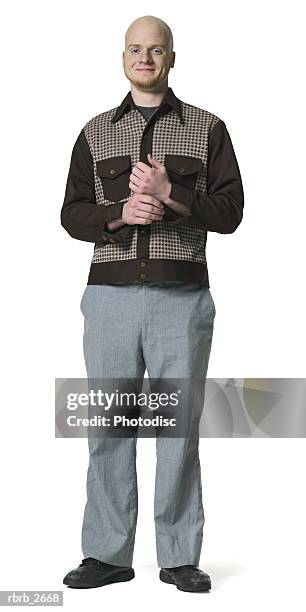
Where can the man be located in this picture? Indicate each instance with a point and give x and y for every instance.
(147, 180)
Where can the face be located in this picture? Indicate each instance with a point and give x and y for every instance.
(147, 58)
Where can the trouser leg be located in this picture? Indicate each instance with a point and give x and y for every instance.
(176, 344)
(112, 349)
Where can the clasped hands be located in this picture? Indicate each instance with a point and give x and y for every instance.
(151, 187)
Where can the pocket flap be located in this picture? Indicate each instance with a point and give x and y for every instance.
(113, 166)
(183, 164)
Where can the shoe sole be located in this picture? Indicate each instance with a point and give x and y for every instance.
(169, 580)
(104, 582)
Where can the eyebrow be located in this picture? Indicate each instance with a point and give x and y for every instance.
(157, 45)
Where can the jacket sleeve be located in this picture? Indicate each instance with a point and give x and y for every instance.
(221, 209)
(81, 217)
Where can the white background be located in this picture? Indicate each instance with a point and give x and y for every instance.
(61, 65)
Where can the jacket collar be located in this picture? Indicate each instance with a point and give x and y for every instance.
(169, 99)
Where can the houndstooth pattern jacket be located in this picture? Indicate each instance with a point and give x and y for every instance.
(196, 149)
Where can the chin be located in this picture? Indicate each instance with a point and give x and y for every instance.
(146, 83)
(143, 85)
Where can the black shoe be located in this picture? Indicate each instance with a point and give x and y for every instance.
(93, 573)
(186, 578)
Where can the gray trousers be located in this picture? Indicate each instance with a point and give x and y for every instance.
(165, 328)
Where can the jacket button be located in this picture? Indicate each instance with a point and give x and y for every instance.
(142, 276)
(182, 170)
(112, 171)
(142, 263)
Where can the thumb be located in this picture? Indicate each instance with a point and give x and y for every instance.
(154, 162)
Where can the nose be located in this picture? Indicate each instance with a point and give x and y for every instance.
(145, 56)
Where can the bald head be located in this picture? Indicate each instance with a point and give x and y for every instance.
(148, 54)
(145, 23)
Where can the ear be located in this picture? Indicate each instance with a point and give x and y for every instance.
(172, 59)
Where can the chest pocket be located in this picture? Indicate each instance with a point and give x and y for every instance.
(114, 173)
(183, 169)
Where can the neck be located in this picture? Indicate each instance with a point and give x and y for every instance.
(149, 98)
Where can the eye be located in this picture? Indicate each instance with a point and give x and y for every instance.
(133, 50)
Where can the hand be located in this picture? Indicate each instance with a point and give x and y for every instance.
(150, 181)
(142, 209)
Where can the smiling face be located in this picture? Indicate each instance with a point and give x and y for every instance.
(148, 55)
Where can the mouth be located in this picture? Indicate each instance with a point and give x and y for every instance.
(144, 69)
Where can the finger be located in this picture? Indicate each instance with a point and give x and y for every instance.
(148, 206)
(154, 162)
(143, 167)
(144, 213)
(134, 185)
(136, 172)
(150, 200)
(150, 218)
(135, 180)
